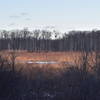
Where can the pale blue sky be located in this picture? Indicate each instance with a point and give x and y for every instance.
(64, 15)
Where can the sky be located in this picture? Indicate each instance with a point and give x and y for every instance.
(62, 15)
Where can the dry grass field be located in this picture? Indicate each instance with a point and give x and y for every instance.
(61, 58)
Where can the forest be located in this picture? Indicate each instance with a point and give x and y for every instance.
(44, 40)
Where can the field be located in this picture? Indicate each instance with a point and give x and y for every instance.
(54, 59)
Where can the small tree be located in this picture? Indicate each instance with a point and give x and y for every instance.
(13, 59)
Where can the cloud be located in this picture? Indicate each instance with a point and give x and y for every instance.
(14, 16)
(24, 14)
(20, 15)
(28, 19)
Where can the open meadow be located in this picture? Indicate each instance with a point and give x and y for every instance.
(49, 59)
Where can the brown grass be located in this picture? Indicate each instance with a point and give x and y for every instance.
(62, 57)
(53, 69)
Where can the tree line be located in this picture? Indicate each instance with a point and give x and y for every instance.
(44, 40)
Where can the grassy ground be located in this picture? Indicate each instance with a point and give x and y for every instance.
(73, 58)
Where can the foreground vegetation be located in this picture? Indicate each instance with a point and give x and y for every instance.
(72, 83)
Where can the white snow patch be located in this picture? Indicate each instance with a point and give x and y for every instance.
(42, 62)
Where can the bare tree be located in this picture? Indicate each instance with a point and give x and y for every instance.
(13, 60)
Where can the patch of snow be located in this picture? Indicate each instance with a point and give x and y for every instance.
(30, 62)
(42, 62)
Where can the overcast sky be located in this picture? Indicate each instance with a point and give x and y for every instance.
(62, 15)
